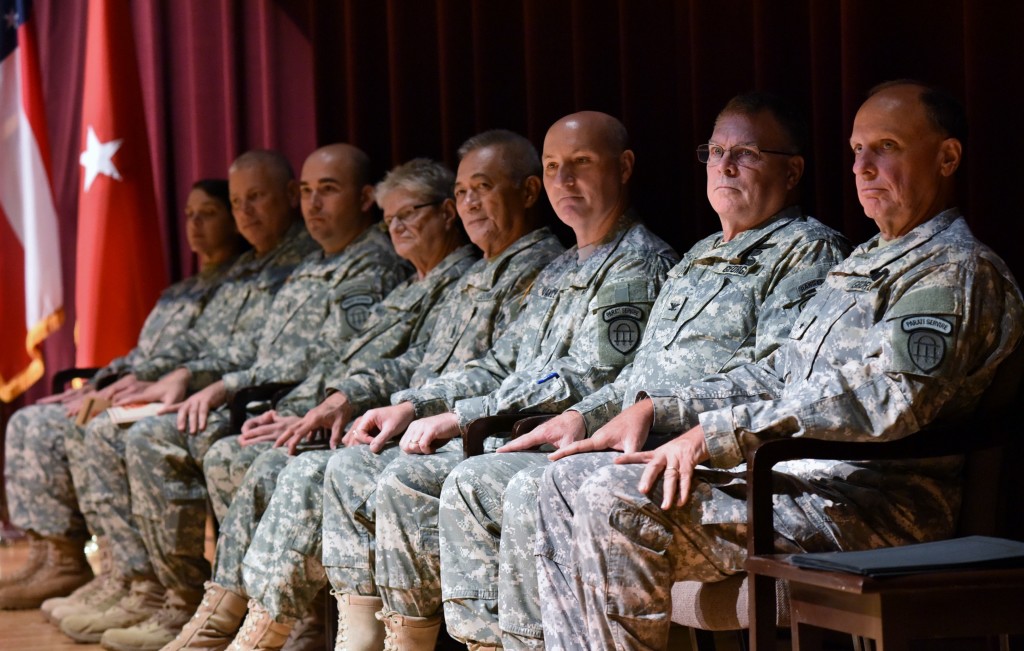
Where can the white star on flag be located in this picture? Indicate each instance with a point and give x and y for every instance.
(12, 19)
(98, 158)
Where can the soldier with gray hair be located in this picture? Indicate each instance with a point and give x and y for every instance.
(273, 339)
(906, 331)
(730, 301)
(277, 564)
(581, 323)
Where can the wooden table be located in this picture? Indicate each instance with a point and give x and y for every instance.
(892, 611)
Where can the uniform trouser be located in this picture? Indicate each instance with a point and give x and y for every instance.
(607, 555)
(251, 500)
(349, 517)
(41, 495)
(225, 466)
(488, 573)
(408, 568)
(282, 569)
(105, 486)
(168, 496)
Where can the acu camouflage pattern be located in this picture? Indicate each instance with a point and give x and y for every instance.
(233, 311)
(168, 491)
(482, 302)
(565, 344)
(567, 332)
(98, 463)
(40, 490)
(724, 304)
(390, 329)
(855, 368)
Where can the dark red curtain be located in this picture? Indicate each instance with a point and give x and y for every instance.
(403, 78)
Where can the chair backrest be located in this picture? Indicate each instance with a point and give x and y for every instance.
(993, 489)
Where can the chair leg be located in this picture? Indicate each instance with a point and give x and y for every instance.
(701, 640)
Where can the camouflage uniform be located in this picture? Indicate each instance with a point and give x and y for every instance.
(233, 311)
(399, 319)
(403, 315)
(325, 297)
(582, 323)
(899, 335)
(475, 311)
(40, 491)
(724, 304)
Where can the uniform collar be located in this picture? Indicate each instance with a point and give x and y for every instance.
(869, 259)
(492, 269)
(594, 262)
(736, 250)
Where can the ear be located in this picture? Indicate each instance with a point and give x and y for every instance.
(626, 160)
(794, 171)
(451, 216)
(292, 191)
(950, 153)
(531, 190)
(366, 198)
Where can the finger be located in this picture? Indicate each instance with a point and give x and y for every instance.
(337, 435)
(377, 442)
(284, 439)
(635, 457)
(650, 475)
(203, 416)
(670, 487)
(524, 442)
(586, 445)
(685, 481)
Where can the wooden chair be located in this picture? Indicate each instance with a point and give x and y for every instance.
(979, 437)
(762, 604)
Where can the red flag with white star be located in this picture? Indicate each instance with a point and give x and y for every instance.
(120, 268)
(31, 293)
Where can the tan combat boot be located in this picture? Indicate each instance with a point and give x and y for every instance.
(214, 623)
(405, 633)
(85, 592)
(99, 594)
(110, 589)
(35, 560)
(260, 632)
(143, 599)
(63, 570)
(358, 627)
(158, 629)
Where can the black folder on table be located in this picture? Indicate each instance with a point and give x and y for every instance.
(970, 553)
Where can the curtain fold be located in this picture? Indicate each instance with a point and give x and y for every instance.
(404, 78)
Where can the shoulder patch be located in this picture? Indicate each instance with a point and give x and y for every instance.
(624, 335)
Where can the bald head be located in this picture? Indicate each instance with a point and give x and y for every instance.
(336, 196)
(904, 160)
(587, 166)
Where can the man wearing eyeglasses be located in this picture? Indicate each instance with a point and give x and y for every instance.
(906, 331)
(731, 300)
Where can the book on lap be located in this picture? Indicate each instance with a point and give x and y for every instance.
(133, 411)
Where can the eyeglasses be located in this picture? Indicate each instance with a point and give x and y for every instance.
(745, 155)
(408, 215)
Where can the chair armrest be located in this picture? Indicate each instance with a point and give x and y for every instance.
(481, 428)
(272, 391)
(989, 426)
(63, 376)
